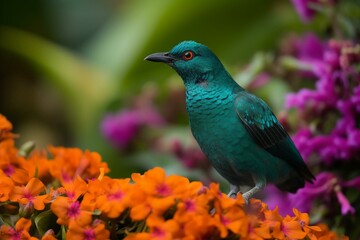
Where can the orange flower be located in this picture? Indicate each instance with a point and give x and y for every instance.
(256, 230)
(292, 228)
(5, 128)
(18, 175)
(6, 186)
(65, 163)
(29, 195)
(192, 216)
(222, 201)
(37, 165)
(155, 183)
(303, 219)
(198, 227)
(157, 192)
(96, 188)
(5, 125)
(138, 236)
(191, 207)
(71, 162)
(273, 220)
(257, 208)
(93, 165)
(284, 228)
(159, 230)
(12, 164)
(75, 188)
(89, 231)
(228, 213)
(163, 207)
(232, 220)
(69, 211)
(326, 234)
(19, 232)
(116, 199)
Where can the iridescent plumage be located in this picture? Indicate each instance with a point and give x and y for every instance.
(236, 130)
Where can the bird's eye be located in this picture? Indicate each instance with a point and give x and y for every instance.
(188, 55)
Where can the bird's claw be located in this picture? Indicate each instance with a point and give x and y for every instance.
(232, 194)
(234, 190)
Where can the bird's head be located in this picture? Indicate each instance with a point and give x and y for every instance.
(191, 60)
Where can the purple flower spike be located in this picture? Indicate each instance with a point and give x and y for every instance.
(337, 92)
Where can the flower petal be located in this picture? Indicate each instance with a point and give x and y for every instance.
(35, 186)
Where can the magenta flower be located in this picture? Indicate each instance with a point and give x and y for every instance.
(309, 48)
(344, 203)
(327, 188)
(302, 142)
(191, 157)
(304, 9)
(336, 92)
(259, 80)
(121, 128)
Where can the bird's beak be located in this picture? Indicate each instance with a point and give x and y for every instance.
(164, 57)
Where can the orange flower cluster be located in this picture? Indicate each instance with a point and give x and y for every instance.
(69, 196)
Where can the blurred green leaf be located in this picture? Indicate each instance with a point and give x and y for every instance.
(85, 90)
(44, 221)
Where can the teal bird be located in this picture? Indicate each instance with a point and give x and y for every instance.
(235, 129)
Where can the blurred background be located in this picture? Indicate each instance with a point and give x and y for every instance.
(72, 74)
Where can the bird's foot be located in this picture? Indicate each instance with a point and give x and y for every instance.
(260, 183)
(246, 197)
(234, 194)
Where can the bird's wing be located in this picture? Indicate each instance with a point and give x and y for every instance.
(259, 120)
(267, 132)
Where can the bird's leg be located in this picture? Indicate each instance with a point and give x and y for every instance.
(260, 183)
(234, 189)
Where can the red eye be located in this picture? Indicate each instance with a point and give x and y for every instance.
(188, 55)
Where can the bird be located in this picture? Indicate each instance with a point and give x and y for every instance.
(236, 130)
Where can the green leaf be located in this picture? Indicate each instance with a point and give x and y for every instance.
(26, 149)
(6, 219)
(44, 221)
(63, 232)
